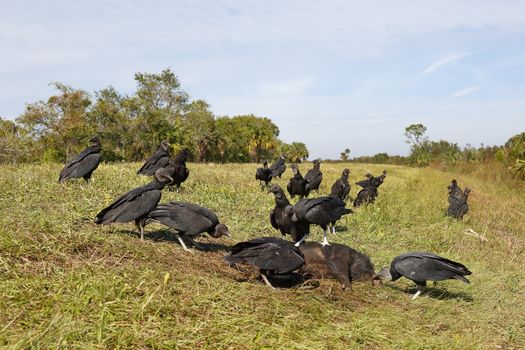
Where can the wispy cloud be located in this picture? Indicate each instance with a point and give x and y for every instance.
(442, 62)
(467, 91)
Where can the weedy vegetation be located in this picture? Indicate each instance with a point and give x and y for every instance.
(67, 283)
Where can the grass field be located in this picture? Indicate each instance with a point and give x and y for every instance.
(67, 283)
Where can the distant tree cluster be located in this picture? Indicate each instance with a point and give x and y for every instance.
(131, 127)
(381, 158)
(424, 151)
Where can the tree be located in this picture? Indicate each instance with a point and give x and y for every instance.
(161, 92)
(514, 154)
(415, 134)
(155, 110)
(132, 126)
(112, 123)
(59, 125)
(197, 130)
(14, 144)
(295, 152)
(246, 138)
(345, 155)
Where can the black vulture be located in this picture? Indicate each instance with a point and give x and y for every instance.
(454, 192)
(378, 181)
(297, 184)
(372, 181)
(160, 159)
(454, 189)
(369, 192)
(341, 187)
(263, 174)
(135, 204)
(281, 216)
(421, 267)
(319, 211)
(274, 257)
(458, 206)
(84, 164)
(271, 256)
(178, 170)
(366, 182)
(188, 220)
(365, 196)
(278, 167)
(313, 177)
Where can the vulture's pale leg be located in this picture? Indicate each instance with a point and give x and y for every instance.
(325, 241)
(333, 229)
(420, 289)
(140, 226)
(265, 279)
(301, 241)
(182, 243)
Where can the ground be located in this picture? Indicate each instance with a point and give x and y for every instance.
(67, 283)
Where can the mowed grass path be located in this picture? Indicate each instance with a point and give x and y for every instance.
(67, 283)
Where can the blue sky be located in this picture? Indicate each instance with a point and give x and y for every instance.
(333, 74)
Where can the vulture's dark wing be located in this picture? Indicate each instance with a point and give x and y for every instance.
(314, 178)
(82, 164)
(130, 206)
(364, 183)
(321, 210)
(278, 168)
(267, 253)
(427, 266)
(184, 217)
(159, 160)
(272, 219)
(81, 167)
(346, 191)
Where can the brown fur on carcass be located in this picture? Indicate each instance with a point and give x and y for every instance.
(337, 261)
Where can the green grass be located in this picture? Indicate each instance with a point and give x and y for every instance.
(66, 283)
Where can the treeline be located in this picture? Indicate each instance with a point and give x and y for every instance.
(131, 126)
(424, 152)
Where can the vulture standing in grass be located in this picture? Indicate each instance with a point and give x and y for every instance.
(320, 211)
(372, 181)
(274, 257)
(378, 181)
(454, 191)
(135, 204)
(178, 170)
(369, 192)
(264, 174)
(341, 187)
(160, 159)
(297, 184)
(281, 216)
(458, 206)
(313, 177)
(278, 167)
(188, 220)
(366, 182)
(421, 267)
(84, 164)
(365, 196)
